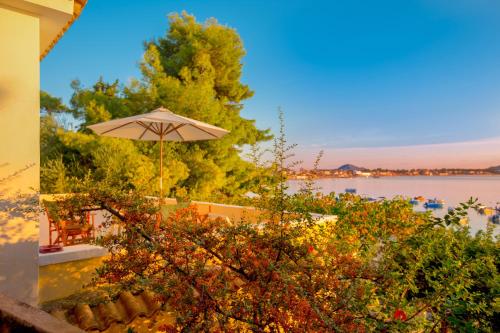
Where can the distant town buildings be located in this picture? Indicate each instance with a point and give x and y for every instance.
(350, 171)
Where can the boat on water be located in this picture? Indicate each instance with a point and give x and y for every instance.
(414, 202)
(420, 198)
(495, 219)
(367, 198)
(434, 204)
(350, 190)
(488, 211)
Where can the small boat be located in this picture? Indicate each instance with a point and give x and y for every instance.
(488, 211)
(420, 198)
(350, 190)
(495, 219)
(434, 204)
(366, 197)
(414, 202)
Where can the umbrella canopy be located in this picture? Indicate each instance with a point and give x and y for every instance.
(159, 125)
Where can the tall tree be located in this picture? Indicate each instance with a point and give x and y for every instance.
(195, 71)
(50, 104)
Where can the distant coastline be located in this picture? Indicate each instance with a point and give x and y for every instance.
(351, 171)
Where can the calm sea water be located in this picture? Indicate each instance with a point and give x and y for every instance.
(452, 189)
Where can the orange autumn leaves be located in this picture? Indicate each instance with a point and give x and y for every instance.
(281, 272)
(240, 275)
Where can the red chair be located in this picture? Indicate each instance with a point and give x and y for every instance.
(71, 232)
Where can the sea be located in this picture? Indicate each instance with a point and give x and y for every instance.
(452, 189)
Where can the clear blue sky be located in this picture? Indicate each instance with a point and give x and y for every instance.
(347, 74)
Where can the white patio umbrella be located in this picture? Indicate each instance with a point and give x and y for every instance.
(159, 125)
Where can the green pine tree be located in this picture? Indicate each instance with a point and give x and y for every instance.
(195, 71)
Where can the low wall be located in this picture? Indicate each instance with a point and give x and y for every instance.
(235, 213)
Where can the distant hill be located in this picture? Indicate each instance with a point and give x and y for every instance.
(350, 167)
(495, 169)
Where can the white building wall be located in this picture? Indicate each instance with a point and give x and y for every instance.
(19, 153)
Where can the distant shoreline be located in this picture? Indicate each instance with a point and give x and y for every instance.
(314, 177)
(353, 171)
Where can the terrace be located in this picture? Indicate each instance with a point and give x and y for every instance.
(64, 273)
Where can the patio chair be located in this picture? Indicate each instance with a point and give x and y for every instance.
(71, 232)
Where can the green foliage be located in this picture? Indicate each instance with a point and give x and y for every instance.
(440, 275)
(51, 104)
(195, 71)
(54, 177)
(50, 145)
(453, 275)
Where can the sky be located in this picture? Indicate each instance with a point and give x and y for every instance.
(386, 83)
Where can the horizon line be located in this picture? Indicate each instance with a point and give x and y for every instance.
(472, 154)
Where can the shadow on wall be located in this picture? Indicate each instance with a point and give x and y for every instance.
(18, 239)
(18, 277)
(21, 208)
(18, 211)
(18, 215)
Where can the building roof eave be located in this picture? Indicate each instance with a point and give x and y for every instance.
(77, 10)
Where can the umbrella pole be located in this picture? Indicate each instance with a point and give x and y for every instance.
(159, 216)
(161, 169)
